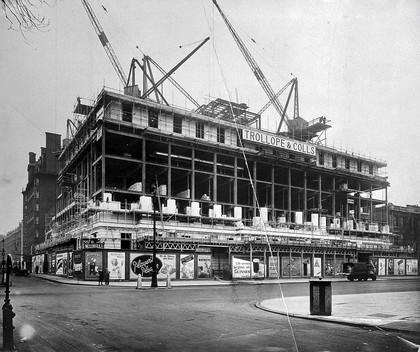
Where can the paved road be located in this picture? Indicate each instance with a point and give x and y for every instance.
(55, 317)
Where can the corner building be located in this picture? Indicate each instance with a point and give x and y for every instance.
(233, 200)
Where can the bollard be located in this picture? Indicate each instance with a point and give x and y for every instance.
(139, 283)
(168, 281)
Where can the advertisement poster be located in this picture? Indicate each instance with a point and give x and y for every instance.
(77, 261)
(399, 266)
(412, 267)
(70, 263)
(116, 265)
(53, 262)
(339, 265)
(317, 266)
(203, 266)
(381, 266)
(93, 263)
(390, 266)
(61, 261)
(242, 268)
(374, 263)
(329, 267)
(168, 266)
(291, 267)
(273, 265)
(186, 266)
(142, 264)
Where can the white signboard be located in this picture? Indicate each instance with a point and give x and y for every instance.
(278, 142)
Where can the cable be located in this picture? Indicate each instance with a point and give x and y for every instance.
(256, 198)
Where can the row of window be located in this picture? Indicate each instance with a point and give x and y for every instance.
(321, 161)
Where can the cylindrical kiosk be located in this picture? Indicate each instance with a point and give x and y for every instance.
(320, 297)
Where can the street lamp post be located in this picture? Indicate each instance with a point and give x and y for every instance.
(154, 271)
(3, 263)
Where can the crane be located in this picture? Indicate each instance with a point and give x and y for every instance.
(257, 71)
(105, 43)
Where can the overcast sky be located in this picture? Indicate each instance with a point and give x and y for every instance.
(357, 63)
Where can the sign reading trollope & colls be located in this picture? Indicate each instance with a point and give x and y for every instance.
(143, 265)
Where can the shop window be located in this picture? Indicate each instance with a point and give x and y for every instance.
(199, 129)
(125, 240)
(220, 135)
(177, 124)
(153, 119)
(127, 112)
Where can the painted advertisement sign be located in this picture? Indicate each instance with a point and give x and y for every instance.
(278, 142)
(243, 268)
(186, 266)
(116, 265)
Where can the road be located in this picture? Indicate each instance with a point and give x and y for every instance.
(56, 317)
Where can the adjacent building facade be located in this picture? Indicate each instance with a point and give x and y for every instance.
(214, 195)
(39, 195)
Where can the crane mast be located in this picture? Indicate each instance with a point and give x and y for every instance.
(105, 43)
(256, 70)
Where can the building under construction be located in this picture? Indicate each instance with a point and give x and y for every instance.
(212, 194)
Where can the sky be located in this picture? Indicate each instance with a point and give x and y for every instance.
(357, 63)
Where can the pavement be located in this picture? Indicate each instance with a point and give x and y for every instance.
(390, 311)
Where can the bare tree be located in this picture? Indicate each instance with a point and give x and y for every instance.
(23, 14)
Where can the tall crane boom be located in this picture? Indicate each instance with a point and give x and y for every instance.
(256, 70)
(105, 43)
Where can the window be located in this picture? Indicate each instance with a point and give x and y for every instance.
(220, 135)
(334, 161)
(127, 112)
(153, 119)
(359, 165)
(292, 156)
(348, 163)
(321, 159)
(36, 207)
(199, 129)
(125, 240)
(177, 124)
(371, 169)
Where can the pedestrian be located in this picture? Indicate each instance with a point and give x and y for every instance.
(101, 276)
(106, 276)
